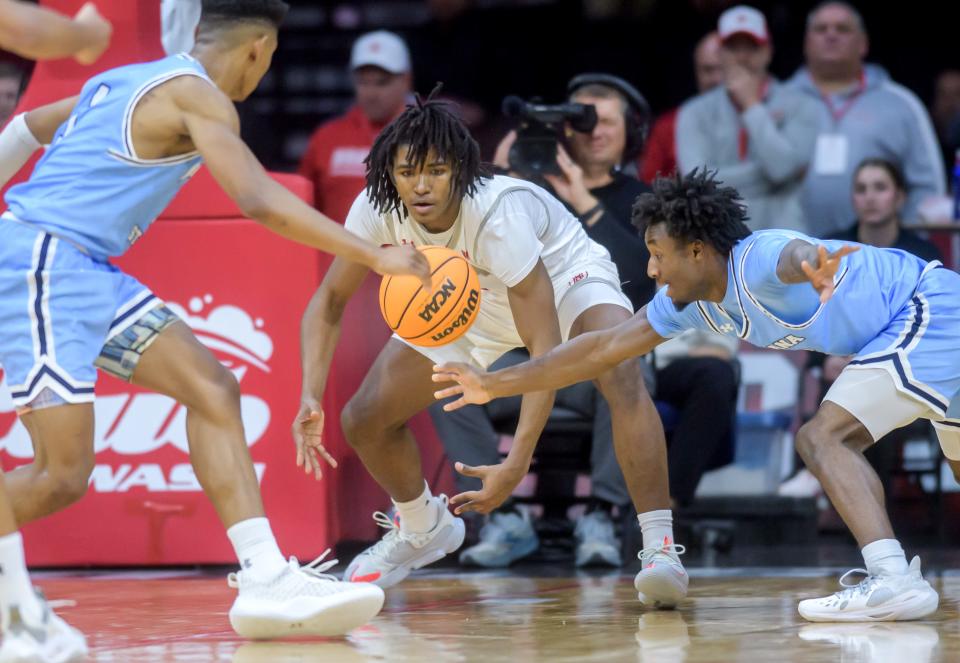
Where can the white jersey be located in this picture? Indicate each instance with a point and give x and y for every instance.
(502, 230)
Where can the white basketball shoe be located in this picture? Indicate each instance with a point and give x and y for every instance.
(662, 582)
(302, 600)
(393, 557)
(876, 598)
(47, 639)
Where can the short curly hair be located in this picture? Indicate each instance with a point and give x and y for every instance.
(694, 206)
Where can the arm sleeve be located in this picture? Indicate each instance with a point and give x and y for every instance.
(782, 153)
(693, 147)
(364, 221)
(690, 139)
(508, 244)
(922, 163)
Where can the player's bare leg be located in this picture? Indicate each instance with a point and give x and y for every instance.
(832, 445)
(62, 439)
(398, 385)
(642, 453)
(179, 366)
(275, 598)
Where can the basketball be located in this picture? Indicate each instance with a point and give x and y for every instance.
(432, 318)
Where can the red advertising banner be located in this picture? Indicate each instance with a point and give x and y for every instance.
(242, 290)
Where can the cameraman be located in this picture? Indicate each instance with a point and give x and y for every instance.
(592, 183)
(601, 196)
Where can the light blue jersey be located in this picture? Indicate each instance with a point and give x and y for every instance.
(889, 310)
(63, 308)
(872, 286)
(90, 187)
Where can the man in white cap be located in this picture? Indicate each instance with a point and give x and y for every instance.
(382, 82)
(755, 132)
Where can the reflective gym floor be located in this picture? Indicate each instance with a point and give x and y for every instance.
(530, 613)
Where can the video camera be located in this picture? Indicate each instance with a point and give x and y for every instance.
(540, 129)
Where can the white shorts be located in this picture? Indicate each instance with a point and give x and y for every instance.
(873, 397)
(494, 332)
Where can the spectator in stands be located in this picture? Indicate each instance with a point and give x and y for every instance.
(334, 160)
(945, 110)
(660, 153)
(862, 114)
(757, 133)
(10, 79)
(879, 193)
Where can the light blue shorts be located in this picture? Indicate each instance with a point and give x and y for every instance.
(58, 309)
(920, 348)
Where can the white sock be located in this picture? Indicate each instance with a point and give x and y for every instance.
(15, 586)
(657, 528)
(420, 514)
(256, 549)
(885, 557)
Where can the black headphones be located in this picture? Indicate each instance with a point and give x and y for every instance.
(638, 113)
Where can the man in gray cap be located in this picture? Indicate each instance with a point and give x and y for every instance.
(382, 83)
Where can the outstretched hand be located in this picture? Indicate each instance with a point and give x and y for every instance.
(470, 385)
(499, 481)
(821, 276)
(308, 436)
(403, 260)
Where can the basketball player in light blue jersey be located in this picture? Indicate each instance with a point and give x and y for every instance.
(896, 314)
(118, 154)
(39, 34)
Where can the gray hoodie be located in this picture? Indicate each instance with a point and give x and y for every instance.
(878, 119)
(779, 134)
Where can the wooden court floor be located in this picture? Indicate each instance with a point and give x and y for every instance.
(488, 617)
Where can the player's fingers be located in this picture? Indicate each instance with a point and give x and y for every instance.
(462, 498)
(314, 463)
(469, 506)
(468, 471)
(808, 270)
(446, 376)
(455, 405)
(845, 250)
(826, 293)
(448, 392)
(331, 461)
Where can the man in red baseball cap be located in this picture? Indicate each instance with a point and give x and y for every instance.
(755, 132)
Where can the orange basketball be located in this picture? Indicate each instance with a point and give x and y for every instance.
(438, 317)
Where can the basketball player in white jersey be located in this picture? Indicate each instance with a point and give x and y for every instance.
(543, 281)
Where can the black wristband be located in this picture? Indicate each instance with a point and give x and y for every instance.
(590, 212)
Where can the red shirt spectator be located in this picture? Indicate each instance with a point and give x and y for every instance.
(334, 161)
(660, 153)
(380, 65)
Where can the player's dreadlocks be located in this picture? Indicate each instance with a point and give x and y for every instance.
(424, 125)
(694, 206)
